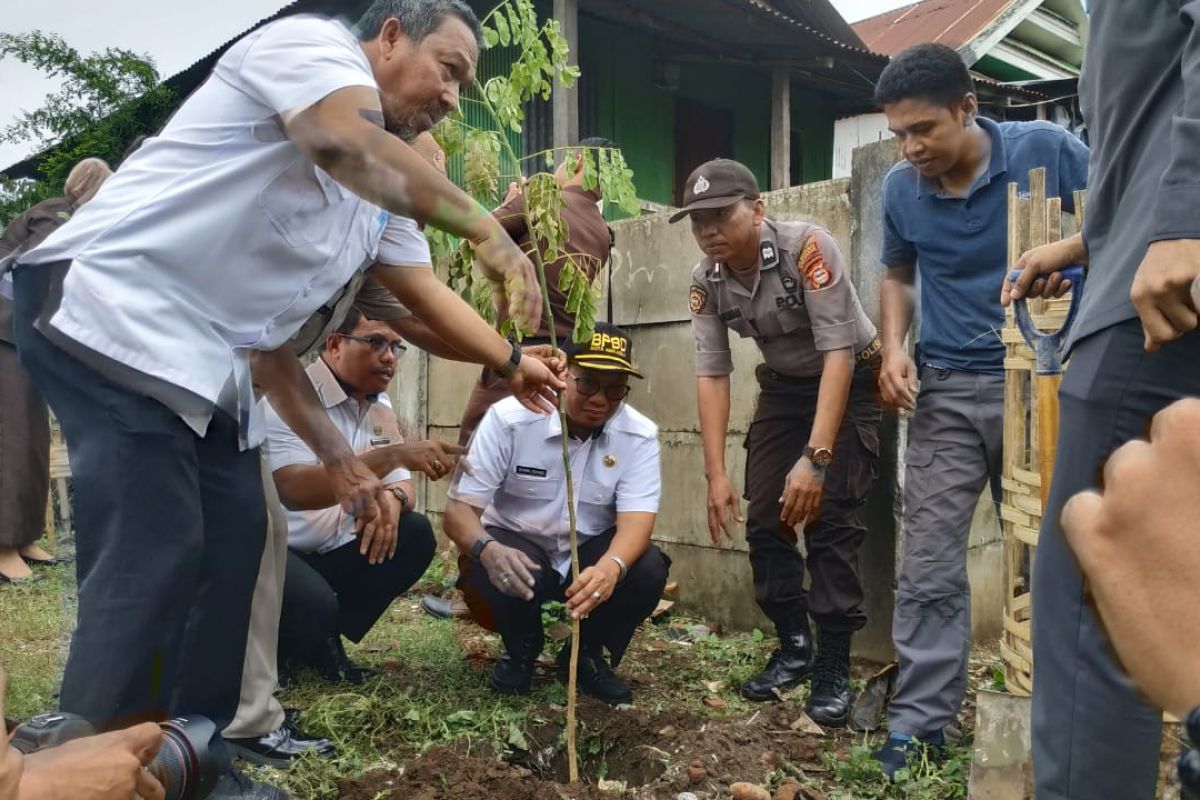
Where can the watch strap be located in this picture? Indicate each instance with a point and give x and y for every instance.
(478, 545)
(509, 367)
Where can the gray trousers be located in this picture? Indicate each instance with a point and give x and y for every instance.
(953, 453)
(259, 711)
(1093, 737)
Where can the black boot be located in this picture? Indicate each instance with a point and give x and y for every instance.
(334, 665)
(789, 665)
(595, 677)
(514, 671)
(829, 702)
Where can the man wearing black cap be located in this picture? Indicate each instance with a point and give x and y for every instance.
(814, 441)
(508, 517)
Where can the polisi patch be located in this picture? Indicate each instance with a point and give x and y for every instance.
(697, 299)
(701, 185)
(531, 472)
(812, 265)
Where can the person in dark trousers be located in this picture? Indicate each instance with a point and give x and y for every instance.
(24, 421)
(149, 318)
(1134, 350)
(945, 212)
(508, 518)
(813, 447)
(589, 242)
(337, 586)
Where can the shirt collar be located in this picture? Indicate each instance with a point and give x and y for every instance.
(768, 253)
(997, 163)
(329, 386)
(554, 425)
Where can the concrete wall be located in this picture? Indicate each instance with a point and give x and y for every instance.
(648, 283)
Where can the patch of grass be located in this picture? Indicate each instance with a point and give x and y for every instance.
(932, 775)
(35, 628)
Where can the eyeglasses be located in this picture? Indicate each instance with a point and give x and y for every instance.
(379, 344)
(588, 387)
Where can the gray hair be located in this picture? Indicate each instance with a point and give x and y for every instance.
(418, 18)
(85, 178)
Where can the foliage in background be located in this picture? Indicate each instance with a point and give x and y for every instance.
(542, 54)
(107, 99)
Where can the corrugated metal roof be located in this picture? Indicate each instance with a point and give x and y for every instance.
(953, 23)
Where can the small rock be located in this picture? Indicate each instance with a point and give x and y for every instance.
(804, 724)
(789, 790)
(714, 702)
(769, 759)
(749, 791)
(698, 631)
(668, 731)
(611, 786)
(686, 796)
(696, 772)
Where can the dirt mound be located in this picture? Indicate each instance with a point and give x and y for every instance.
(441, 774)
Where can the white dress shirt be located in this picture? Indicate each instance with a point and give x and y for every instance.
(218, 235)
(366, 426)
(518, 480)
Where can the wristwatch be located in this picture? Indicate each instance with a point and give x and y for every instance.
(509, 367)
(821, 457)
(478, 545)
(400, 494)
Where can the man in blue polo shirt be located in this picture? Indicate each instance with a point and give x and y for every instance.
(945, 217)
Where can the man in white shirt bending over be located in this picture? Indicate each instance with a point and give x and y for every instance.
(271, 187)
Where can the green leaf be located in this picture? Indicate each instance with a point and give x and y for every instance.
(502, 30)
(461, 717)
(412, 715)
(516, 738)
(490, 37)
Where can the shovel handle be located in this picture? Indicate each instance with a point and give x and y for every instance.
(1049, 346)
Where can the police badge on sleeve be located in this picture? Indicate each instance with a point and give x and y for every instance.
(697, 299)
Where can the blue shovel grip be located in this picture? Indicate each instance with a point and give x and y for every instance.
(1049, 346)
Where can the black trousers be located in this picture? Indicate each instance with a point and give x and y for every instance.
(1092, 731)
(169, 534)
(782, 423)
(611, 625)
(341, 593)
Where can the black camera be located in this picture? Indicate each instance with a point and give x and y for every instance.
(185, 765)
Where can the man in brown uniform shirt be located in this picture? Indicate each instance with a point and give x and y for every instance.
(589, 241)
(814, 442)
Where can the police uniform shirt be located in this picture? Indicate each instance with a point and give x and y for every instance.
(802, 303)
(516, 461)
(365, 427)
(218, 235)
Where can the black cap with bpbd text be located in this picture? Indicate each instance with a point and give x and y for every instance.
(609, 350)
(716, 184)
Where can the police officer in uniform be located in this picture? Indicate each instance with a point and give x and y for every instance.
(814, 442)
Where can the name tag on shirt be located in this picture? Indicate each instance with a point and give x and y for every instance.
(532, 472)
(380, 441)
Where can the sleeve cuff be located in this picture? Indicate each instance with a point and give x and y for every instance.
(1175, 213)
(714, 364)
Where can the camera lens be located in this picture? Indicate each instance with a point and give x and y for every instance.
(185, 765)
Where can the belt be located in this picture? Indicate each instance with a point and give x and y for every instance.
(869, 352)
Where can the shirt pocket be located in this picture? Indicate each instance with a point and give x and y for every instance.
(793, 319)
(742, 327)
(600, 489)
(531, 488)
(302, 208)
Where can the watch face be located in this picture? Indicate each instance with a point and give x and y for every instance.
(822, 456)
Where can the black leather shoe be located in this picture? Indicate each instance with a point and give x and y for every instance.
(334, 665)
(280, 747)
(595, 677)
(789, 666)
(829, 701)
(441, 608)
(514, 671)
(236, 785)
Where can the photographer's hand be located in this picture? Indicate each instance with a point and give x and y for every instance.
(104, 767)
(11, 760)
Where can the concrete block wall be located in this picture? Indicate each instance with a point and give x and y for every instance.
(647, 295)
